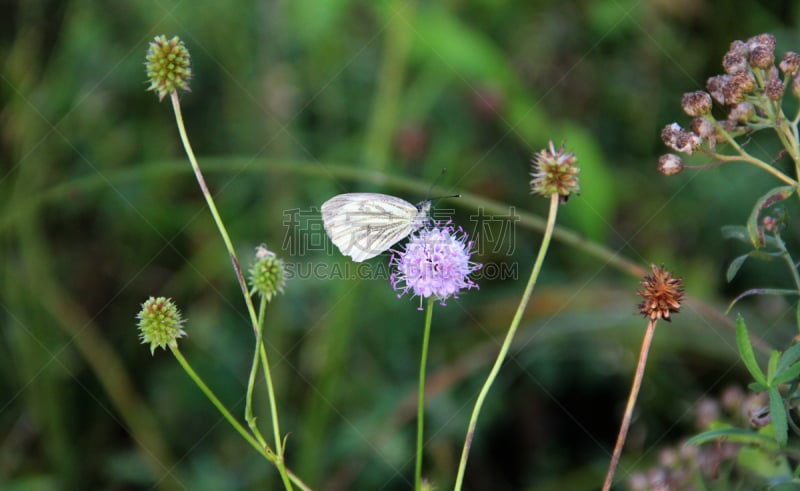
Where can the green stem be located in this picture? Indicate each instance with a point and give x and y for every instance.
(746, 157)
(273, 406)
(789, 261)
(263, 450)
(626, 419)
(251, 381)
(176, 106)
(421, 407)
(239, 276)
(501, 356)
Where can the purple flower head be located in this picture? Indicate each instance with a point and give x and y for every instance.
(435, 263)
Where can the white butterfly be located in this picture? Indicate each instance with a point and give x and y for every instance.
(362, 225)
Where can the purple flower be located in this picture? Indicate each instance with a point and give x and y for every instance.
(435, 263)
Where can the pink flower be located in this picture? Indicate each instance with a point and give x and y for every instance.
(435, 263)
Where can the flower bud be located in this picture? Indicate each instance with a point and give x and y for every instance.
(705, 129)
(696, 103)
(762, 57)
(741, 113)
(735, 60)
(267, 276)
(670, 164)
(774, 87)
(716, 86)
(762, 40)
(790, 63)
(680, 140)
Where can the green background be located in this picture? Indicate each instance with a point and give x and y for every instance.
(293, 102)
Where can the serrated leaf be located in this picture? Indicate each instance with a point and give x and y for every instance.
(770, 198)
(777, 413)
(737, 435)
(746, 351)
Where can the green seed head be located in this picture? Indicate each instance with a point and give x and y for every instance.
(160, 323)
(169, 66)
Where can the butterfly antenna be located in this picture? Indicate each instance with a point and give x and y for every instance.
(434, 183)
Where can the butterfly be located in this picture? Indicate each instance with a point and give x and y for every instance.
(363, 225)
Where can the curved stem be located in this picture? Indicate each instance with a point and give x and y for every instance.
(626, 419)
(501, 356)
(263, 450)
(746, 157)
(176, 106)
(421, 405)
(239, 276)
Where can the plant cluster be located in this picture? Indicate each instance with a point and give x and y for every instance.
(753, 440)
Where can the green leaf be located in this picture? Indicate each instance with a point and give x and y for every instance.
(770, 198)
(777, 413)
(736, 232)
(739, 232)
(786, 375)
(737, 435)
(746, 351)
(789, 357)
(734, 267)
(772, 366)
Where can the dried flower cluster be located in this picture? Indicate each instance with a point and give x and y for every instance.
(662, 294)
(750, 90)
(554, 172)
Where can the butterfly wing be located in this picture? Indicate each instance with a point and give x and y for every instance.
(363, 225)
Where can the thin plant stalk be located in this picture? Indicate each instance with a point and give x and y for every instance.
(280, 462)
(251, 381)
(176, 106)
(263, 450)
(421, 406)
(626, 418)
(789, 261)
(746, 157)
(501, 356)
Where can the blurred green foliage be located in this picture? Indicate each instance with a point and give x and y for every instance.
(99, 210)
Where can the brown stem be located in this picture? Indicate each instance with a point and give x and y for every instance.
(626, 419)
